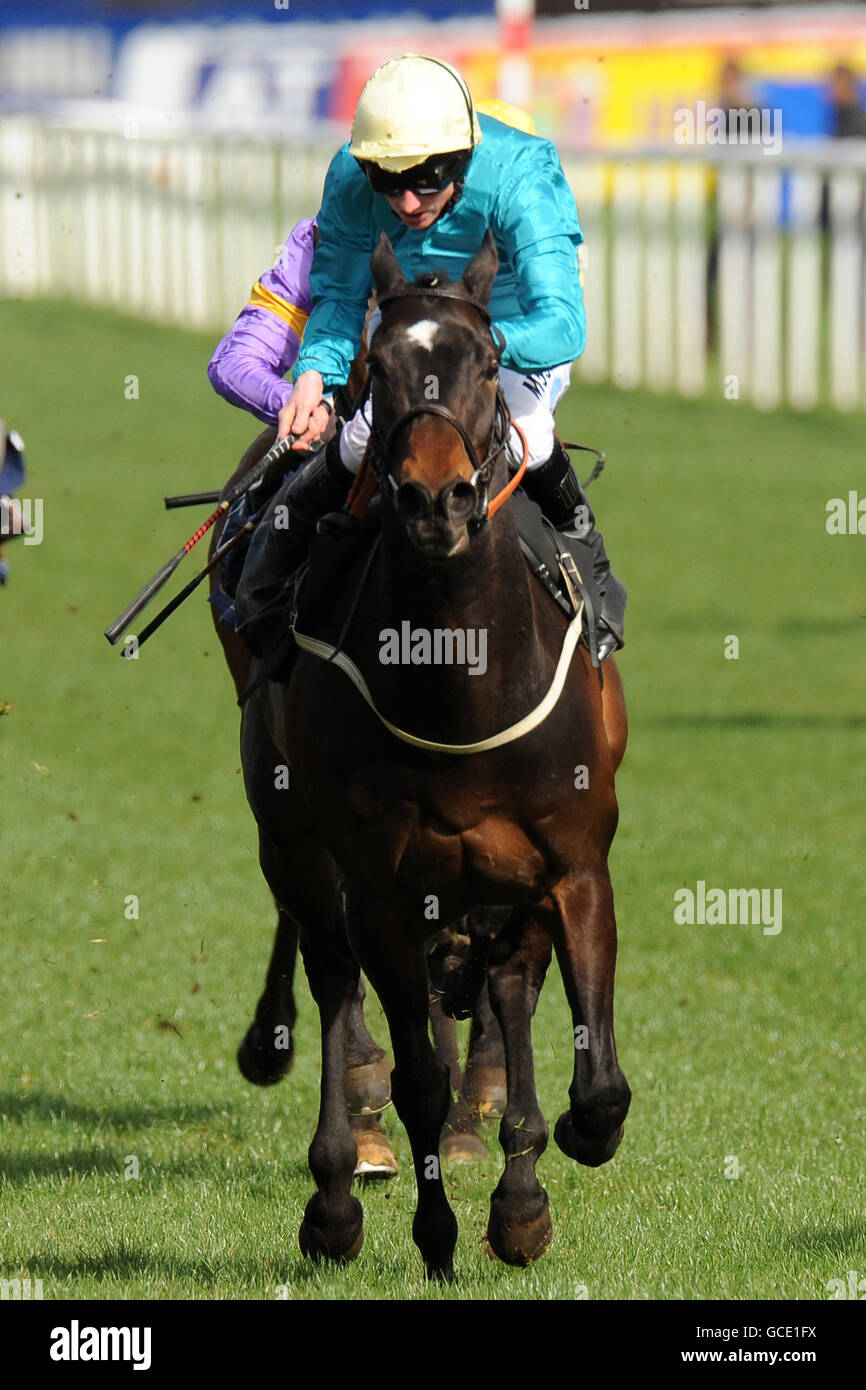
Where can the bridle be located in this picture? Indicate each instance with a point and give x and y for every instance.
(482, 469)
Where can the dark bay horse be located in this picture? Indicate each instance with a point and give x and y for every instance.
(266, 1052)
(426, 820)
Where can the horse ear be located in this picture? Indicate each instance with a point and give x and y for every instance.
(387, 274)
(481, 271)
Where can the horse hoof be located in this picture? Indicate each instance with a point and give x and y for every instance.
(262, 1063)
(463, 1148)
(368, 1087)
(485, 1090)
(519, 1242)
(339, 1241)
(375, 1156)
(592, 1153)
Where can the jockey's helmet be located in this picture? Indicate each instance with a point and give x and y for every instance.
(415, 125)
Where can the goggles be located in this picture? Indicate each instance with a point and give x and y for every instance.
(431, 176)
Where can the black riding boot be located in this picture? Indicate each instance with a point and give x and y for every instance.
(279, 546)
(555, 487)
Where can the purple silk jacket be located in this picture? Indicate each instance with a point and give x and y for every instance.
(263, 344)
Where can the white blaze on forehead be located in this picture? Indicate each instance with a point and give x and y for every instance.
(424, 333)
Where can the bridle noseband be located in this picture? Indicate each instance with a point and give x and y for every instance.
(482, 469)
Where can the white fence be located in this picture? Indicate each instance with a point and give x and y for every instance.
(741, 273)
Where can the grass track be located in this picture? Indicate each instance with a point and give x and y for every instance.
(121, 778)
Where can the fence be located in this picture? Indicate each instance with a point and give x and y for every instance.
(725, 270)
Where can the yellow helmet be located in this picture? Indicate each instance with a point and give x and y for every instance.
(411, 109)
(508, 115)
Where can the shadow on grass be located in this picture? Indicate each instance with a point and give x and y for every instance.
(826, 626)
(209, 1167)
(124, 1261)
(41, 1105)
(831, 1240)
(753, 719)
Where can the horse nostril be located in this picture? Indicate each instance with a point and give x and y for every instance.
(457, 501)
(413, 502)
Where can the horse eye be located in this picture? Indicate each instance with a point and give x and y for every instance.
(491, 369)
(374, 366)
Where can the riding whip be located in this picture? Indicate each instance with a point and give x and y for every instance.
(250, 481)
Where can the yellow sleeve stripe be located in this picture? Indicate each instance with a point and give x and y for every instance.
(260, 298)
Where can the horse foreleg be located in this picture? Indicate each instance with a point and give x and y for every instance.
(460, 1141)
(462, 988)
(395, 963)
(267, 1050)
(484, 1079)
(368, 1080)
(519, 1229)
(368, 1093)
(584, 933)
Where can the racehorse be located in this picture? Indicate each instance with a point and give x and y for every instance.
(416, 783)
(266, 1052)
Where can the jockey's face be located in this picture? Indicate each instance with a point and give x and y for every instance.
(419, 210)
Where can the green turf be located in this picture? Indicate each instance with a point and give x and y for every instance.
(121, 778)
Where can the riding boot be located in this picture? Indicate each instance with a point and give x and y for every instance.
(555, 487)
(279, 546)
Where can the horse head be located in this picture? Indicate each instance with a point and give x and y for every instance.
(439, 420)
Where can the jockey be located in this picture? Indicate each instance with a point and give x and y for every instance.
(249, 365)
(424, 167)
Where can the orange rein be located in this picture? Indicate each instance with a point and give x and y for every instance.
(506, 492)
(364, 485)
(362, 488)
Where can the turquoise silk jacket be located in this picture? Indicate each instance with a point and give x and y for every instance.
(514, 185)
